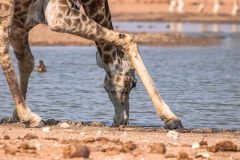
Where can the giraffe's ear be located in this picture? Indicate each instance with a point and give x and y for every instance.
(99, 60)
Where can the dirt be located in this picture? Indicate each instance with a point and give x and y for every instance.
(157, 10)
(82, 140)
(50, 38)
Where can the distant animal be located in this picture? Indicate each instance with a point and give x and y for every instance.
(41, 67)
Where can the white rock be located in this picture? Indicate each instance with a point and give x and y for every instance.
(195, 145)
(203, 155)
(38, 146)
(99, 133)
(82, 134)
(173, 134)
(46, 129)
(64, 125)
(124, 134)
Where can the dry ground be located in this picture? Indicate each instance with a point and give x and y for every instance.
(66, 142)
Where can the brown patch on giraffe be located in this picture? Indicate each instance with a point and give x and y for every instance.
(84, 1)
(107, 47)
(4, 7)
(27, 4)
(118, 79)
(74, 13)
(100, 4)
(99, 18)
(92, 9)
(114, 55)
(107, 59)
(118, 68)
(59, 15)
(122, 35)
(63, 2)
(68, 21)
(84, 18)
(17, 9)
(63, 8)
(105, 24)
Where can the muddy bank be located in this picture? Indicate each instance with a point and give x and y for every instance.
(66, 140)
(41, 35)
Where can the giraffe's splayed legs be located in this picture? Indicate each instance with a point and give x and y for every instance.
(62, 17)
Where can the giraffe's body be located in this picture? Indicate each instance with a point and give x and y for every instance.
(114, 51)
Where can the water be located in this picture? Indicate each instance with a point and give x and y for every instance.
(193, 28)
(200, 84)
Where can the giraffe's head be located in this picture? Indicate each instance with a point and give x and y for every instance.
(118, 83)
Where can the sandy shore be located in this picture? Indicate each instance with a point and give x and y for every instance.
(69, 140)
(161, 39)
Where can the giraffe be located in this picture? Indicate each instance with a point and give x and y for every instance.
(235, 8)
(177, 5)
(117, 52)
(216, 6)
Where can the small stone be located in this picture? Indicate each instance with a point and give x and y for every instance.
(124, 134)
(183, 156)
(170, 156)
(38, 146)
(6, 137)
(30, 136)
(203, 143)
(203, 155)
(99, 133)
(75, 150)
(97, 124)
(26, 146)
(8, 150)
(172, 134)
(158, 148)
(195, 145)
(103, 139)
(64, 125)
(46, 129)
(223, 146)
(82, 134)
(129, 146)
(89, 140)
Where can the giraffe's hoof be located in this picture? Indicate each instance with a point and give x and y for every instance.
(173, 124)
(35, 125)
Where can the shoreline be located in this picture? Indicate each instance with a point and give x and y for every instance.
(51, 38)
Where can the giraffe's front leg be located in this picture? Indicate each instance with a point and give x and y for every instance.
(6, 17)
(62, 17)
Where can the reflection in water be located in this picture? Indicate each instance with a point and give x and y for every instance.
(204, 27)
(216, 27)
(176, 27)
(180, 27)
(234, 28)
